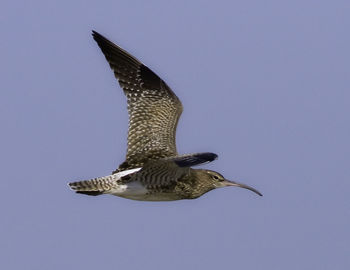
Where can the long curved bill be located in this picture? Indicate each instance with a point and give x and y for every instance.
(235, 184)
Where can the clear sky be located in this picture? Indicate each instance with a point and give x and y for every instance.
(264, 84)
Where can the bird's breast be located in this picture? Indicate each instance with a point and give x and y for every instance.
(137, 191)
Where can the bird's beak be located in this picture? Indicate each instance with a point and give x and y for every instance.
(235, 184)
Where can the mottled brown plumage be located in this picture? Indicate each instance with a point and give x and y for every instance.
(154, 109)
(153, 170)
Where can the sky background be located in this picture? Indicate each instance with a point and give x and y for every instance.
(264, 84)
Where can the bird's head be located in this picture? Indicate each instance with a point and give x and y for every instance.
(219, 181)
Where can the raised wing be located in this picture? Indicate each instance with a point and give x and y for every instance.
(154, 109)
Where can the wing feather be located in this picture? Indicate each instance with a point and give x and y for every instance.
(153, 108)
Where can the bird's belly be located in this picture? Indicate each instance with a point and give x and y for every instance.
(136, 191)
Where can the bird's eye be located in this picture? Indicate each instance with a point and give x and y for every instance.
(216, 177)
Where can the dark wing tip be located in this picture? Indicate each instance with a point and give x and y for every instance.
(114, 53)
(90, 193)
(194, 159)
(96, 34)
(209, 156)
(99, 38)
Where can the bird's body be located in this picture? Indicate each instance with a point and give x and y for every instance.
(180, 183)
(153, 170)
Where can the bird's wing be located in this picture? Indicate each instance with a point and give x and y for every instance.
(154, 109)
(190, 160)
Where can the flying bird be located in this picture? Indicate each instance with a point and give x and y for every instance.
(153, 170)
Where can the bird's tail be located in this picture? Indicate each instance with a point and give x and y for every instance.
(96, 186)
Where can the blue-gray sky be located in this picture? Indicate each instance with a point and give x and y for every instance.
(264, 84)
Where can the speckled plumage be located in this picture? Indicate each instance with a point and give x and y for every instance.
(154, 109)
(153, 170)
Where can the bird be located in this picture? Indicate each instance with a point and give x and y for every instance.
(153, 169)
